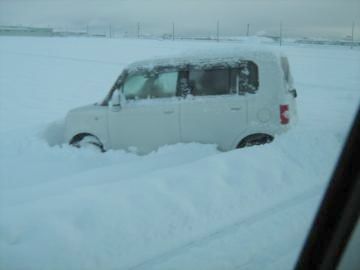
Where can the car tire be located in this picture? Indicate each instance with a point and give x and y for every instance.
(255, 139)
(88, 142)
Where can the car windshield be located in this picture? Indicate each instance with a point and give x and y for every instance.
(217, 167)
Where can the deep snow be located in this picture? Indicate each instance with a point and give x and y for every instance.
(185, 206)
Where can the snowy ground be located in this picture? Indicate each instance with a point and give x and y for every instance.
(185, 206)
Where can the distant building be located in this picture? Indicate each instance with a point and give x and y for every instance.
(25, 31)
(70, 34)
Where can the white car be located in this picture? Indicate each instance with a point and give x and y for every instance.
(232, 101)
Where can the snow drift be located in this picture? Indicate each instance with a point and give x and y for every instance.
(184, 206)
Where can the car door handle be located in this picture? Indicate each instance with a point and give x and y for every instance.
(169, 112)
(235, 108)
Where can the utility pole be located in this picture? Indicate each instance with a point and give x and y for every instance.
(280, 38)
(87, 30)
(173, 31)
(217, 31)
(248, 30)
(352, 35)
(138, 30)
(109, 30)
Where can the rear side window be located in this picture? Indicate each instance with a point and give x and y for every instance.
(235, 80)
(286, 68)
(245, 78)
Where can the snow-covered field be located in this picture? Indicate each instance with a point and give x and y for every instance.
(185, 206)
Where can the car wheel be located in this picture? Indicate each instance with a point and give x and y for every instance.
(89, 142)
(255, 139)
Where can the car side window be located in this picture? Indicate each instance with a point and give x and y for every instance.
(165, 85)
(209, 82)
(245, 78)
(134, 87)
(142, 86)
(235, 80)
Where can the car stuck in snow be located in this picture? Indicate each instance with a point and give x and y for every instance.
(232, 100)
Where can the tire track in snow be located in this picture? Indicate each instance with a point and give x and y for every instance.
(283, 250)
(68, 182)
(229, 229)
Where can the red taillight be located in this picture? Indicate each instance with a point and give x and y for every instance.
(284, 115)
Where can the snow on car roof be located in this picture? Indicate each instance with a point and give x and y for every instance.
(208, 57)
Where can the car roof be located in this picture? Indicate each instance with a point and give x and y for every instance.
(207, 58)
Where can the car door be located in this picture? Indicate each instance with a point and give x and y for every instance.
(149, 117)
(214, 112)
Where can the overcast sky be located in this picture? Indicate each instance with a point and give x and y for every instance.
(326, 18)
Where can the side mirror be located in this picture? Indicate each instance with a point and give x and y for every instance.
(115, 102)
